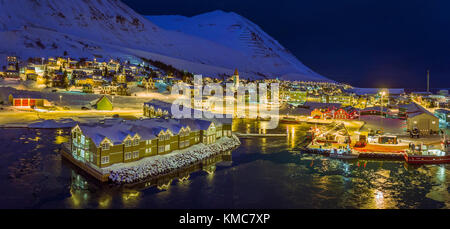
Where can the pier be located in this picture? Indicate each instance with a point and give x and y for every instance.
(139, 172)
(65, 153)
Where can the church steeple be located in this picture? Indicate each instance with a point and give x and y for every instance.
(236, 79)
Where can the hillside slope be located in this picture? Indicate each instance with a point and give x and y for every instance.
(110, 29)
(238, 33)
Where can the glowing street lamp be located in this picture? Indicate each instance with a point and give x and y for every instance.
(60, 99)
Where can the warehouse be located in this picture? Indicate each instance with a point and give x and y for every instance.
(424, 121)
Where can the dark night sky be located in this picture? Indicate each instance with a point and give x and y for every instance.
(367, 43)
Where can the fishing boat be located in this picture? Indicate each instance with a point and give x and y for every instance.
(430, 156)
(427, 157)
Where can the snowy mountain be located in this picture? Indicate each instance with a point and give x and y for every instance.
(110, 29)
(267, 56)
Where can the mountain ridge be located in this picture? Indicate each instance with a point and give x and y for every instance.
(109, 28)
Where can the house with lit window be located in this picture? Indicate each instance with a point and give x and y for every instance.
(296, 96)
(83, 80)
(157, 109)
(346, 113)
(119, 141)
(317, 114)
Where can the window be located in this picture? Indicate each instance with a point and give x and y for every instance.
(161, 149)
(135, 154)
(105, 160)
(148, 150)
(127, 156)
(105, 146)
(136, 141)
(148, 142)
(167, 148)
(128, 143)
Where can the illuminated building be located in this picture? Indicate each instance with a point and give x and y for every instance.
(103, 104)
(118, 141)
(424, 121)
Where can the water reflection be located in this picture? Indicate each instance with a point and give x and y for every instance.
(262, 173)
(78, 190)
(105, 201)
(379, 199)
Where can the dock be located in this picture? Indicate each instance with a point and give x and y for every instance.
(65, 153)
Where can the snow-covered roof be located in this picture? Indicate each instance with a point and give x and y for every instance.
(27, 95)
(420, 111)
(295, 111)
(375, 108)
(410, 108)
(118, 130)
(158, 104)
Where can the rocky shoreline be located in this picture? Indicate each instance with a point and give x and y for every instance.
(164, 164)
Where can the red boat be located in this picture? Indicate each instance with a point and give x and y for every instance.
(427, 158)
(433, 156)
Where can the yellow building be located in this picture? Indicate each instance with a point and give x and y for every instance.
(84, 80)
(106, 144)
(317, 114)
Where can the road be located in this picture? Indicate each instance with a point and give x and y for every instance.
(31, 116)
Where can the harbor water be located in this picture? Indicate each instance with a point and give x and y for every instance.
(262, 173)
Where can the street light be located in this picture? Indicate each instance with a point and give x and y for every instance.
(60, 99)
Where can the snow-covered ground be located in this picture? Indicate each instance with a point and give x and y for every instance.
(163, 164)
(237, 33)
(76, 100)
(387, 125)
